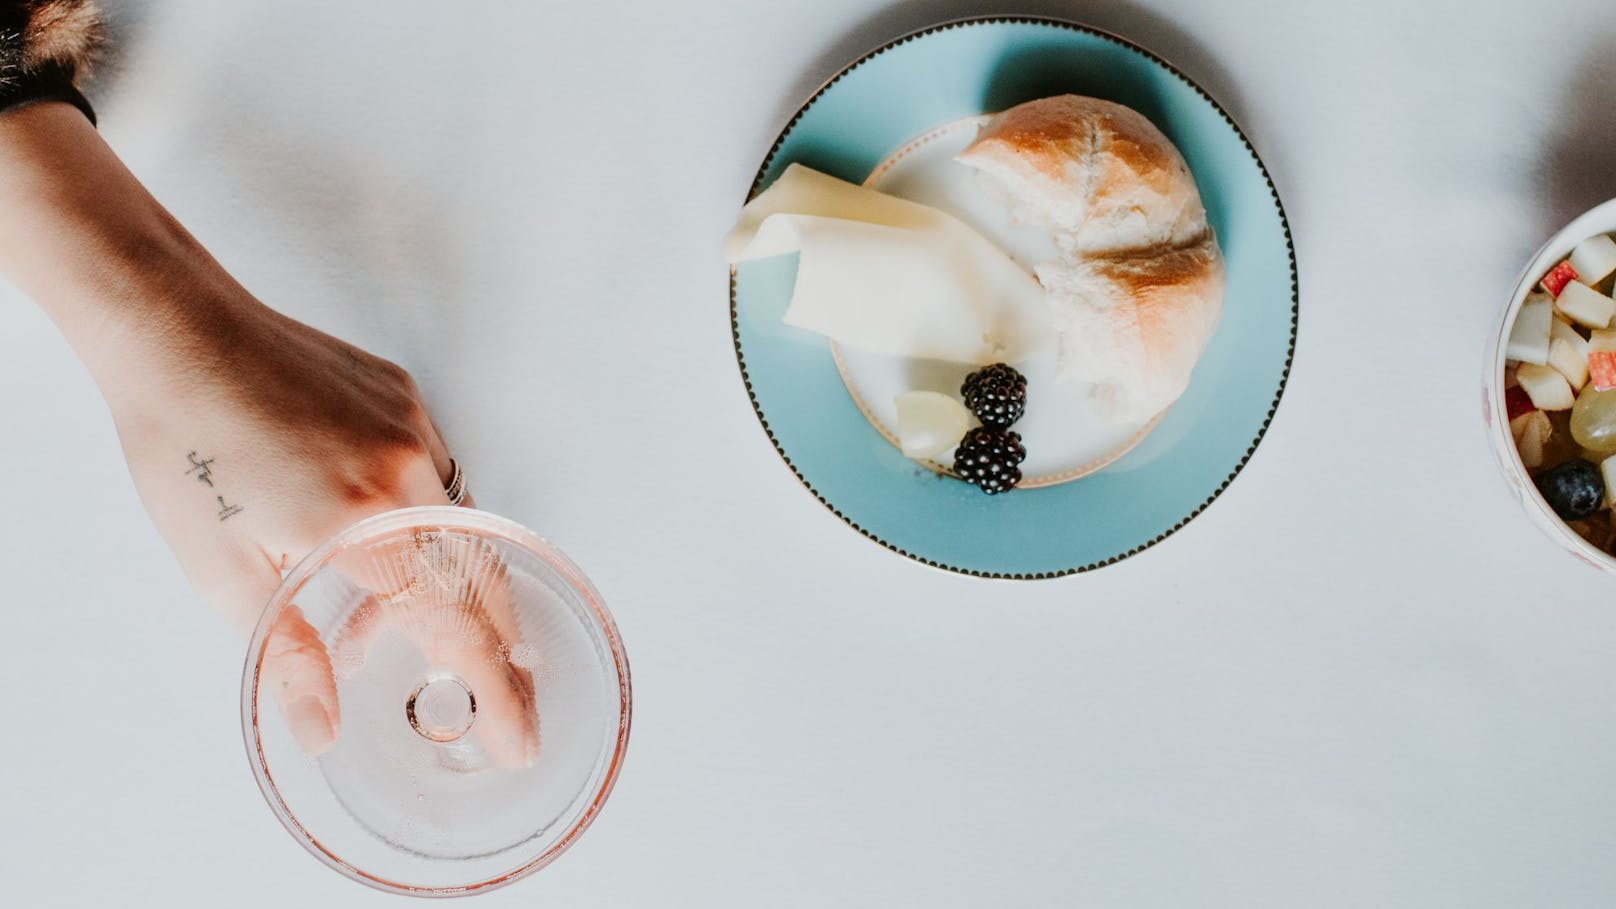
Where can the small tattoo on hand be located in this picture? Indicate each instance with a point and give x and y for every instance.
(199, 466)
(203, 468)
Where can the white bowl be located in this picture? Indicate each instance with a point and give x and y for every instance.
(1599, 220)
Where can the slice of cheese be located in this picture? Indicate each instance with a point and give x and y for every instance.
(886, 275)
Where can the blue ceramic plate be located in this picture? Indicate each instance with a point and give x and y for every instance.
(982, 65)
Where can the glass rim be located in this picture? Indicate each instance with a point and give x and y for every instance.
(452, 517)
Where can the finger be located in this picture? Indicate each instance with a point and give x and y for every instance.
(477, 641)
(488, 590)
(350, 646)
(451, 597)
(506, 724)
(421, 483)
(518, 732)
(457, 609)
(437, 448)
(295, 664)
(443, 461)
(297, 668)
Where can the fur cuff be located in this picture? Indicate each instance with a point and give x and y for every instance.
(51, 40)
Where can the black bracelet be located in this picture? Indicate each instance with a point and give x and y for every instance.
(51, 83)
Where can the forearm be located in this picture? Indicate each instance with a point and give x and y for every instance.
(83, 238)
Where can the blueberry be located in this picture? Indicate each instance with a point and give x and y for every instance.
(1574, 489)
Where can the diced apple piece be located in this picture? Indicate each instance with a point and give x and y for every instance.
(1558, 277)
(1529, 336)
(1517, 425)
(1547, 388)
(1537, 421)
(1531, 432)
(1607, 470)
(1517, 402)
(1566, 359)
(1531, 451)
(1585, 306)
(1602, 359)
(1562, 330)
(1594, 259)
(930, 424)
(1538, 431)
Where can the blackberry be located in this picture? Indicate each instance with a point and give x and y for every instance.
(987, 458)
(997, 394)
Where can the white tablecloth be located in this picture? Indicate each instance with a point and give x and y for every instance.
(1358, 679)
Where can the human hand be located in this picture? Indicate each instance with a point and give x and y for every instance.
(250, 437)
(260, 438)
(449, 596)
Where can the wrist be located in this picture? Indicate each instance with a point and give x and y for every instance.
(171, 324)
(120, 277)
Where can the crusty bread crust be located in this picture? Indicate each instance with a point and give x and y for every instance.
(1138, 289)
(1100, 176)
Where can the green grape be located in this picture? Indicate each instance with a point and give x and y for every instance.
(1593, 420)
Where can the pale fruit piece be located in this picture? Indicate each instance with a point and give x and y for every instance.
(1518, 425)
(1531, 432)
(1602, 359)
(1545, 386)
(1531, 451)
(1607, 470)
(930, 424)
(1569, 362)
(1593, 420)
(1585, 306)
(1529, 337)
(1561, 330)
(1594, 259)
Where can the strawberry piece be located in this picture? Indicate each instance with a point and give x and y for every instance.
(1517, 401)
(1558, 277)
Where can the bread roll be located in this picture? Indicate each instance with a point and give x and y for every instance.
(1134, 326)
(1138, 289)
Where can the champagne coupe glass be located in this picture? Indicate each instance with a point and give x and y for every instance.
(477, 689)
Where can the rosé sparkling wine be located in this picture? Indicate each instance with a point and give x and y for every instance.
(481, 702)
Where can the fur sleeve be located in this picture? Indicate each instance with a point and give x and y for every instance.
(46, 47)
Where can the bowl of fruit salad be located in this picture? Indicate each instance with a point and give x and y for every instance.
(1550, 388)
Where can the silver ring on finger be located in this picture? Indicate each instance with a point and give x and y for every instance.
(455, 489)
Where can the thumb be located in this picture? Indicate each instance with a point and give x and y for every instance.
(297, 667)
(295, 663)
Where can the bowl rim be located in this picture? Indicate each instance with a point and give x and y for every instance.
(1597, 220)
(482, 522)
(1279, 207)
